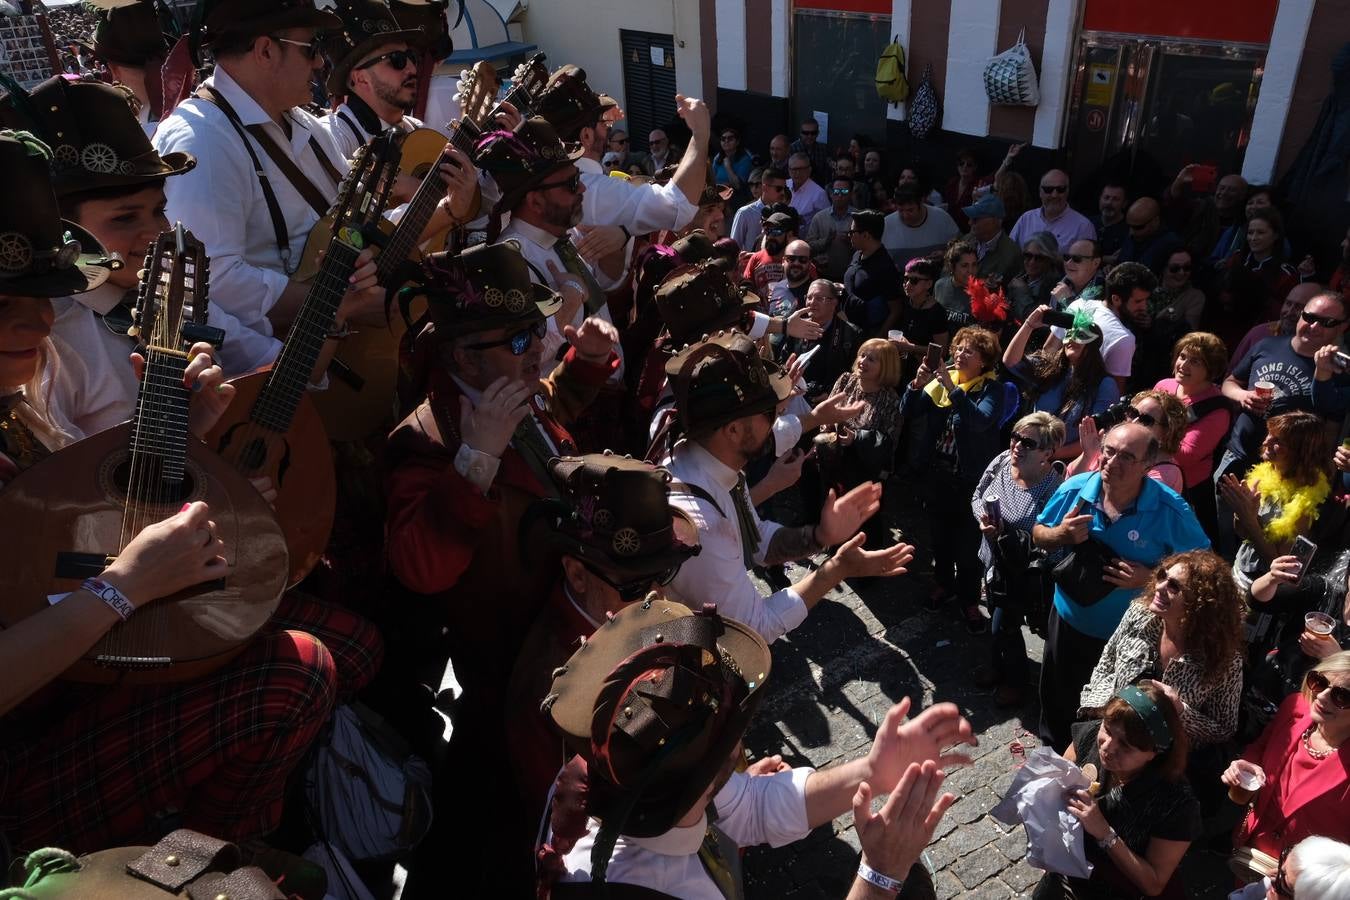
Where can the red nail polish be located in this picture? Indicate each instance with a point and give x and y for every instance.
(185, 507)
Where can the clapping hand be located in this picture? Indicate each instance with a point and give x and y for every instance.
(860, 563)
(901, 742)
(841, 517)
(1243, 500)
(893, 838)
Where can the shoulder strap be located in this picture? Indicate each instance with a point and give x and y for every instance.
(693, 490)
(279, 230)
(346, 120)
(1202, 408)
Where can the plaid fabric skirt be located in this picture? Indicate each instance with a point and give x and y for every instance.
(123, 765)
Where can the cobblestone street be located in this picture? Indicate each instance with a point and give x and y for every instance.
(832, 682)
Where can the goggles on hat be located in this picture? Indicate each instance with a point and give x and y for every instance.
(518, 342)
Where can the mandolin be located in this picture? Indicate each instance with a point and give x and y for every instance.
(271, 428)
(76, 510)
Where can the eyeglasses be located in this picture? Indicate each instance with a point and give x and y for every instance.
(1177, 268)
(398, 60)
(518, 342)
(1109, 453)
(793, 258)
(1318, 683)
(1167, 582)
(806, 133)
(572, 184)
(1077, 257)
(1029, 444)
(1054, 188)
(1281, 883)
(1034, 257)
(1324, 321)
(840, 192)
(309, 50)
(1145, 419)
(636, 589)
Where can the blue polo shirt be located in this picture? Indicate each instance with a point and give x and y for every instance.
(1159, 524)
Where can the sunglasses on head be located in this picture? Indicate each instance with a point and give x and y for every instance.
(1318, 683)
(1029, 444)
(572, 184)
(1324, 321)
(398, 60)
(1176, 268)
(1167, 582)
(1054, 188)
(1145, 419)
(518, 342)
(1077, 257)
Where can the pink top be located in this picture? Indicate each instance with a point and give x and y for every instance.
(1201, 440)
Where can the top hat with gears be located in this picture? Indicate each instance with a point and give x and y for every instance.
(521, 160)
(487, 286)
(723, 378)
(95, 139)
(701, 300)
(430, 16)
(252, 18)
(569, 104)
(41, 255)
(656, 702)
(367, 25)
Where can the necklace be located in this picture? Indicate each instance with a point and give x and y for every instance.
(1307, 745)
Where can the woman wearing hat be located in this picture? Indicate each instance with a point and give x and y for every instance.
(215, 751)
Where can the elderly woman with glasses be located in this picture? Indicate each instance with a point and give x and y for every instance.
(1316, 868)
(1299, 768)
(1042, 269)
(1010, 495)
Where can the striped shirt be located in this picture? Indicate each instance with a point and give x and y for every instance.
(1018, 507)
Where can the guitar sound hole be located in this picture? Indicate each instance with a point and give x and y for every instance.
(151, 486)
(254, 455)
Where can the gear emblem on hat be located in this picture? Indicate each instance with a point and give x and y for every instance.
(515, 301)
(603, 519)
(16, 252)
(99, 158)
(758, 375)
(126, 168)
(626, 542)
(66, 155)
(494, 297)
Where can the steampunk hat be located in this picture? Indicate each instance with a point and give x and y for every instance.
(614, 515)
(723, 378)
(367, 25)
(41, 255)
(569, 104)
(250, 18)
(655, 702)
(430, 16)
(715, 195)
(487, 286)
(130, 35)
(700, 300)
(521, 159)
(95, 139)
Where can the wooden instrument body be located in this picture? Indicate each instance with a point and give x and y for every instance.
(299, 461)
(74, 502)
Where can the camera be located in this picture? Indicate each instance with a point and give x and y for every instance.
(1112, 416)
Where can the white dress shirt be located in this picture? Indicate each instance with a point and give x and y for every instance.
(536, 245)
(222, 203)
(641, 208)
(339, 125)
(94, 387)
(718, 573)
(808, 199)
(751, 810)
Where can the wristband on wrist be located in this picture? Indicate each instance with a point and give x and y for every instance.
(782, 324)
(872, 876)
(109, 595)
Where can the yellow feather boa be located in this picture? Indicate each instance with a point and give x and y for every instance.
(1296, 502)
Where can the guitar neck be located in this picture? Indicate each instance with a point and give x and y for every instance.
(277, 402)
(408, 233)
(159, 429)
(520, 97)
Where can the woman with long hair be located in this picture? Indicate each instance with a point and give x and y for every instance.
(961, 263)
(1282, 495)
(1069, 383)
(1142, 816)
(1016, 196)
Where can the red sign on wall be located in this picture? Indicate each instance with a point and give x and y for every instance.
(1237, 21)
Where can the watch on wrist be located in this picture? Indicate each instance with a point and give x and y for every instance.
(1110, 840)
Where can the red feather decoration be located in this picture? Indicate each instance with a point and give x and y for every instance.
(986, 305)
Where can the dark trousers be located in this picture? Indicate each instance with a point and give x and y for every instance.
(1066, 665)
(1008, 649)
(955, 538)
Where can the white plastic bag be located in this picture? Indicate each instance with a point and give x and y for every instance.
(1036, 799)
(1010, 77)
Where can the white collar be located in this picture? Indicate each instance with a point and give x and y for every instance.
(725, 476)
(678, 841)
(533, 233)
(587, 166)
(567, 592)
(101, 299)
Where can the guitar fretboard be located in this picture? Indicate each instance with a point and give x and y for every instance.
(159, 429)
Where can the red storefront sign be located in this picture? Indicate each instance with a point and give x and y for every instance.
(1234, 21)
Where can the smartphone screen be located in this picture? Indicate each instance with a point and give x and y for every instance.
(933, 358)
(1304, 549)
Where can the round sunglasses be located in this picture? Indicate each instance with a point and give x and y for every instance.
(1317, 683)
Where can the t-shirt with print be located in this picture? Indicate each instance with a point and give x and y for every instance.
(1273, 360)
(762, 270)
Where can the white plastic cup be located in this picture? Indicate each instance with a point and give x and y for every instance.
(895, 335)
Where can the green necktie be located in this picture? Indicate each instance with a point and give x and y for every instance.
(532, 447)
(573, 263)
(745, 520)
(715, 864)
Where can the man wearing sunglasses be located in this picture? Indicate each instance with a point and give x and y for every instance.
(266, 55)
(747, 226)
(1150, 242)
(619, 540)
(1054, 214)
(827, 233)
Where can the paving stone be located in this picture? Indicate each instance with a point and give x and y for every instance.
(1013, 844)
(1021, 877)
(976, 868)
(989, 890)
(962, 842)
(946, 885)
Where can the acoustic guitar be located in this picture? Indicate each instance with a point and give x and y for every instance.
(72, 513)
(271, 429)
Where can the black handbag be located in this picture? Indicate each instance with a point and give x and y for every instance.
(1079, 574)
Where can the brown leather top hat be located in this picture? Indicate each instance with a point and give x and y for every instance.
(615, 517)
(701, 300)
(655, 702)
(249, 18)
(367, 25)
(569, 104)
(130, 35)
(715, 195)
(95, 139)
(430, 16)
(724, 378)
(41, 255)
(522, 159)
(487, 286)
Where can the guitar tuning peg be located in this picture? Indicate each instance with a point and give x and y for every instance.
(141, 273)
(134, 331)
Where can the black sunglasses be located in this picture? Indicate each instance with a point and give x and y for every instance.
(909, 279)
(1281, 881)
(398, 60)
(1077, 257)
(1054, 188)
(1163, 580)
(1175, 268)
(774, 232)
(636, 589)
(1028, 444)
(1324, 321)
(572, 184)
(1317, 683)
(518, 342)
(1031, 257)
(1145, 419)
